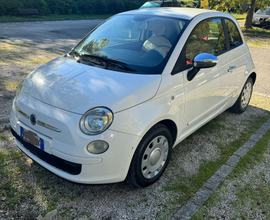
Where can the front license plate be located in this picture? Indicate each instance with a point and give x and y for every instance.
(32, 138)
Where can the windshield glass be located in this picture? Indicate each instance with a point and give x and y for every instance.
(151, 5)
(141, 43)
(264, 12)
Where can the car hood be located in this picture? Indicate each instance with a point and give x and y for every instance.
(75, 87)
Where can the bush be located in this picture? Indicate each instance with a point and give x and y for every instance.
(85, 6)
(41, 5)
(100, 6)
(116, 6)
(131, 5)
(62, 7)
(10, 7)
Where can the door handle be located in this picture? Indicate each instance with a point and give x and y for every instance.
(231, 68)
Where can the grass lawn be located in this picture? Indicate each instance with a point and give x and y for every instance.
(257, 37)
(239, 17)
(52, 17)
(245, 192)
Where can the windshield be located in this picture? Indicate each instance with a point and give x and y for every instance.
(140, 43)
(151, 5)
(264, 12)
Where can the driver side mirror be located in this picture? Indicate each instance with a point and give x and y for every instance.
(202, 60)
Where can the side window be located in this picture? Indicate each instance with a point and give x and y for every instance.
(207, 37)
(234, 36)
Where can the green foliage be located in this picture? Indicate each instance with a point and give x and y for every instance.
(100, 6)
(204, 4)
(62, 7)
(189, 3)
(10, 7)
(85, 6)
(232, 5)
(51, 17)
(239, 16)
(116, 6)
(41, 5)
(67, 7)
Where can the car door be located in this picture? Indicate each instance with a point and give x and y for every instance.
(236, 52)
(209, 90)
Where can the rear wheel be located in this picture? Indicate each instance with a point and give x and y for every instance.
(151, 157)
(243, 100)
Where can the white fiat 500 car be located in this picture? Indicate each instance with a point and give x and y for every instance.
(113, 108)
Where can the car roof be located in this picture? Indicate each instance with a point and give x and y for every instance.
(184, 13)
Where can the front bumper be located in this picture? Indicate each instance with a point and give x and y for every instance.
(65, 152)
(261, 22)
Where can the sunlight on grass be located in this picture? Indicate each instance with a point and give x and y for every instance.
(259, 44)
(239, 16)
(6, 46)
(255, 31)
(260, 101)
(39, 61)
(12, 85)
(257, 37)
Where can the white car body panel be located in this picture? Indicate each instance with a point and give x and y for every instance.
(71, 143)
(77, 87)
(60, 92)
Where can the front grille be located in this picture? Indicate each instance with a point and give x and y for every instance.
(69, 167)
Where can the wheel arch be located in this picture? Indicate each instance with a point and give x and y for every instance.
(253, 77)
(132, 175)
(171, 126)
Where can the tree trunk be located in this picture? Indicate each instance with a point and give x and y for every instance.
(248, 23)
(199, 4)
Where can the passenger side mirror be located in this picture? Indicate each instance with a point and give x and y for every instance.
(202, 60)
(205, 60)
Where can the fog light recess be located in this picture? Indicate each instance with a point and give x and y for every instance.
(97, 147)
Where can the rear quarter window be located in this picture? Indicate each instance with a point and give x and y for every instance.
(235, 38)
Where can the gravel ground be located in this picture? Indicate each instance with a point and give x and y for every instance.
(27, 190)
(244, 196)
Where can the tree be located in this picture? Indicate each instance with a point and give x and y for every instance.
(204, 4)
(235, 5)
(248, 22)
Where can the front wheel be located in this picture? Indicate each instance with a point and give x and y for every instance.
(151, 157)
(243, 100)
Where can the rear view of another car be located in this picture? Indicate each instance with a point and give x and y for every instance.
(262, 18)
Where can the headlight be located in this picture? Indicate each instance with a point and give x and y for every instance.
(96, 120)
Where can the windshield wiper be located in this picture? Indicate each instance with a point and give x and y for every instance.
(79, 59)
(108, 62)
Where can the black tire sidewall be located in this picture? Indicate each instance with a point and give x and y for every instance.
(154, 132)
(240, 97)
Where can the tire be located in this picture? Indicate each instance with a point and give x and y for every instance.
(151, 157)
(242, 102)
